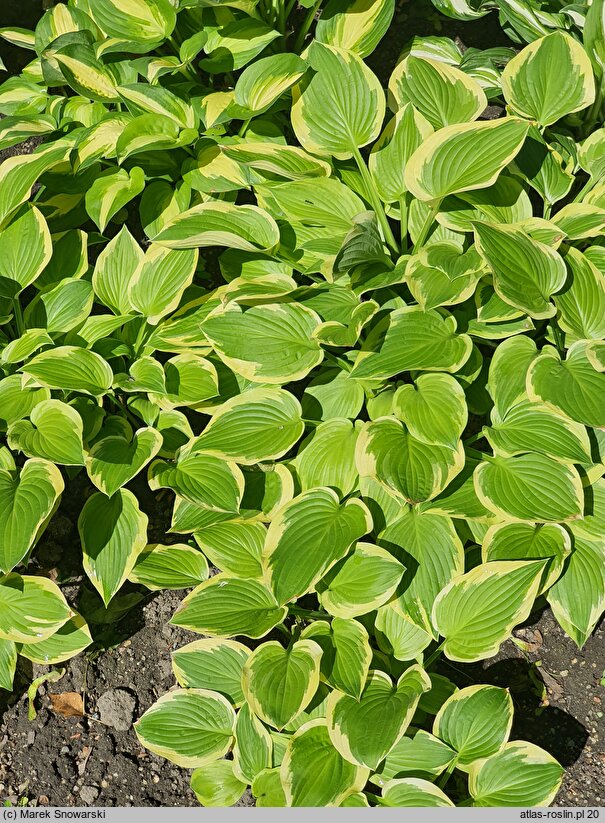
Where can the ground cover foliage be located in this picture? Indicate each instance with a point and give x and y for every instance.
(356, 333)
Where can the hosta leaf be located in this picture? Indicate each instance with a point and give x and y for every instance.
(366, 730)
(529, 541)
(287, 162)
(202, 479)
(416, 340)
(534, 427)
(221, 224)
(68, 641)
(313, 772)
(316, 524)
(114, 461)
(415, 792)
(433, 409)
(475, 722)
(234, 547)
(526, 272)
(253, 748)
(341, 108)
(214, 664)
(31, 608)
(267, 789)
(361, 583)
(142, 98)
(414, 469)
(18, 174)
(17, 402)
(356, 26)
(327, 458)
(143, 22)
(448, 161)
(26, 503)
(233, 45)
(265, 80)
(572, 386)
(217, 785)
(113, 532)
(534, 91)
(86, 75)
(506, 201)
(347, 655)
(477, 611)
(578, 597)
(225, 606)
(279, 683)
(111, 191)
(421, 753)
(508, 372)
(8, 664)
(53, 432)
(261, 424)
(25, 250)
(169, 567)
(190, 727)
(159, 281)
(440, 276)
(61, 308)
(443, 94)
(581, 303)
(71, 369)
(188, 380)
(114, 270)
(266, 344)
(530, 487)
(521, 774)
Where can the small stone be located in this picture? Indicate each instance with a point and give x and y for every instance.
(155, 778)
(564, 673)
(104, 784)
(88, 794)
(116, 709)
(64, 750)
(31, 738)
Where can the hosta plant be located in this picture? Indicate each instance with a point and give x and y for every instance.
(355, 333)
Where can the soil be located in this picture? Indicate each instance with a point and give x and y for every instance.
(97, 759)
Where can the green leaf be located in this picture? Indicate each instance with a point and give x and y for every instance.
(26, 503)
(415, 792)
(188, 380)
(113, 532)
(530, 487)
(253, 748)
(214, 664)
(578, 597)
(190, 727)
(18, 175)
(508, 372)
(261, 424)
(71, 369)
(443, 94)
(440, 276)
(111, 191)
(354, 25)
(361, 583)
(393, 150)
(61, 308)
(464, 157)
(143, 98)
(265, 80)
(221, 224)
(217, 785)
(114, 270)
(202, 479)
(526, 272)
(572, 386)
(413, 469)
(366, 730)
(8, 664)
(529, 541)
(475, 722)
(520, 775)
(114, 461)
(68, 641)
(31, 608)
(17, 401)
(25, 250)
(266, 344)
(316, 524)
(144, 22)
(225, 606)
(177, 566)
(313, 773)
(234, 547)
(87, 75)
(581, 303)
(347, 655)
(327, 457)
(279, 683)
(341, 108)
(534, 91)
(415, 340)
(433, 409)
(477, 611)
(267, 789)
(421, 753)
(53, 432)
(158, 283)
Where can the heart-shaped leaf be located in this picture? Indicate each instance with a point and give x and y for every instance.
(114, 461)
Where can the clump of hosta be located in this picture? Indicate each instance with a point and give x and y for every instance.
(380, 415)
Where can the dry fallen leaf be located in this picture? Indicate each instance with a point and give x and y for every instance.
(68, 704)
